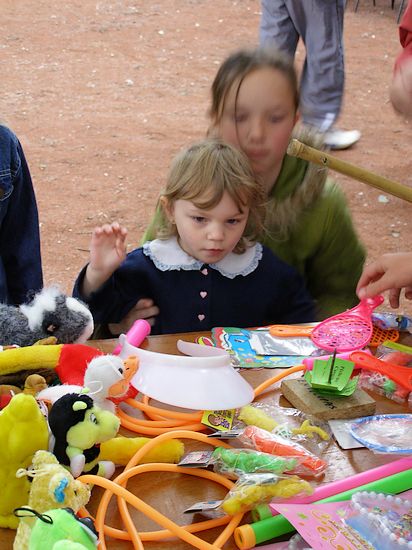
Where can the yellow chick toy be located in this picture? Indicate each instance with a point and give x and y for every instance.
(23, 430)
(52, 487)
(252, 416)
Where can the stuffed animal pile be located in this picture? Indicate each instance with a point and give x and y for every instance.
(80, 427)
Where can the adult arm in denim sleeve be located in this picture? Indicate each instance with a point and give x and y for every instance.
(20, 235)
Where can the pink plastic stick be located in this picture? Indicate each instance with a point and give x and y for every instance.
(346, 484)
(136, 334)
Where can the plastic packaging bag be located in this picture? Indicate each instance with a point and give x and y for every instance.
(236, 462)
(267, 442)
(251, 490)
(289, 423)
(379, 383)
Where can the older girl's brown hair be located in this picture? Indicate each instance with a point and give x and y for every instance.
(241, 63)
(201, 174)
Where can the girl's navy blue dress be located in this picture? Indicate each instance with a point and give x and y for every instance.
(242, 290)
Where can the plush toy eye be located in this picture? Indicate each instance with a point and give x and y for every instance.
(121, 370)
(51, 324)
(93, 418)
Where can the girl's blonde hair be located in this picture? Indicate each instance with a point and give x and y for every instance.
(238, 65)
(201, 174)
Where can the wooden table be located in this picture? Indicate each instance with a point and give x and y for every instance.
(172, 493)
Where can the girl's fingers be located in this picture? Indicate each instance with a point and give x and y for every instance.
(111, 229)
(107, 228)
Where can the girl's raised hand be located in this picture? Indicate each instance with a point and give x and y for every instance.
(107, 252)
(108, 247)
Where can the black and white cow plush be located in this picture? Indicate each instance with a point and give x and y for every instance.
(50, 313)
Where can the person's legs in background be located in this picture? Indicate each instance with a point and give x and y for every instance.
(277, 26)
(320, 25)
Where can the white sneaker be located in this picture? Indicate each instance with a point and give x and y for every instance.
(341, 139)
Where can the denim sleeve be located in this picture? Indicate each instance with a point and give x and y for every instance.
(19, 231)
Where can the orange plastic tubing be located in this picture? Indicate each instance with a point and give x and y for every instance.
(124, 496)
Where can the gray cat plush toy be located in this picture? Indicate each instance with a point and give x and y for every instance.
(50, 313)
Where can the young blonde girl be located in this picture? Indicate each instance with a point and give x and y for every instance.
(254, 107)
(204, 268)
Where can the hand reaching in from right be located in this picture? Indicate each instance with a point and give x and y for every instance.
(107, 252)
(391, 272)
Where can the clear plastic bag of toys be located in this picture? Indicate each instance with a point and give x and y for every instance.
(251, 490)
(234, 463)
(272, 443)
(288, 423)
(397, 354)
(388, 321)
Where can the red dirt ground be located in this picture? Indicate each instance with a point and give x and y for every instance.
(102, 95)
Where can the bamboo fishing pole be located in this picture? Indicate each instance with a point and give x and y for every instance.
(298, 149)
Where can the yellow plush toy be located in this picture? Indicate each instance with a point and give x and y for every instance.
(52, 487)
(23, 431)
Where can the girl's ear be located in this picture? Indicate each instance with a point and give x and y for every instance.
(167, 208)
(297, 117)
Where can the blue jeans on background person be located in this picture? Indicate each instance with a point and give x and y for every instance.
(20, 257)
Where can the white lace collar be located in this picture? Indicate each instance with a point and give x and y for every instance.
(167, 256)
